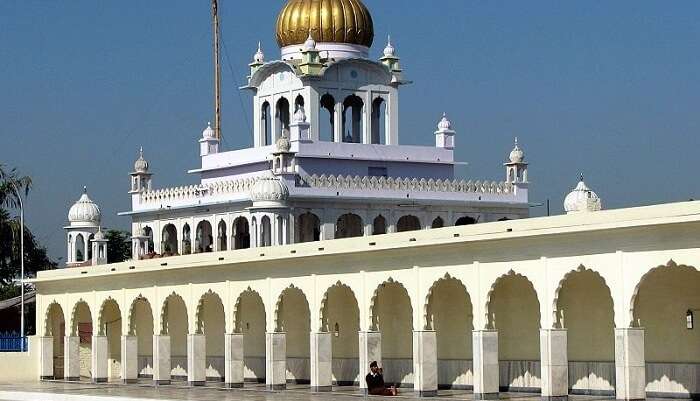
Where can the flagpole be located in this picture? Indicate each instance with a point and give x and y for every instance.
(217, 70)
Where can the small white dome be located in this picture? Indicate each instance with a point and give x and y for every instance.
(517, 155)
(444, 124)
(269, 191)
(208, 132)
(141, 164)
(283, 144)
(389, 50)
(259, 57)
(582, 199)
(300, 115)
(99, 235)
(84, 212)
(310, 44)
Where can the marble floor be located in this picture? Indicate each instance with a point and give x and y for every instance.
(50, 391)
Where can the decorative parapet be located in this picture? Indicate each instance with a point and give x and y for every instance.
(404, 184)
(198, 191)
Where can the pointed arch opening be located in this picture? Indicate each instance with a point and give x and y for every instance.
(666, 304)
(82, 327)
(169, 243)
(392, 316)
(204, 237)
(222, 237)
(349, 226)
(340, 316)
(584, 307)
(186, 240)
(379, 225)
(352, 119)
(211, 322)
(514, 310)
(110, 326)
(174, 323)
(408, 223)
(241, 233)
(266, 124)
(141, 326)
(282, 117)
(293, 317)
(308, 228)
(249, 320)
(327, 121)
(55, 327)
(438, 223)
(379, 121)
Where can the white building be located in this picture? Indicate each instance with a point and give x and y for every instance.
(326, 160)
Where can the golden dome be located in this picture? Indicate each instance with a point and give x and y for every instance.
(336, 21)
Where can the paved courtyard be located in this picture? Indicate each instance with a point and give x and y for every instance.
(54, 391)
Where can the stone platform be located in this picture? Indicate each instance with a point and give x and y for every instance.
(61, 391)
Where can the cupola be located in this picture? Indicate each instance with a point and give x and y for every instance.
(582, 199)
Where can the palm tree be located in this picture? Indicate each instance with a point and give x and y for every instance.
(11, 187)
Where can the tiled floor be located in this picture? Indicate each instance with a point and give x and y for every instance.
(212, 392)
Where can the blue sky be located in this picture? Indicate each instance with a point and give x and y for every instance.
(610, 89)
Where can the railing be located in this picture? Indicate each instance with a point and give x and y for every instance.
(12, 342)
(404, 184)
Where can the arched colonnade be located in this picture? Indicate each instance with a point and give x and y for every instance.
(517, 332)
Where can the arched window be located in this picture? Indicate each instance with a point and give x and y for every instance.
(438, 223)
(241, 233)
(309, 228)
(169, 243)
(298, 102)
(280, 230)
(204, 239)
(349, 226)
(379, 225)
(150, 248)
(465, 221)
(378, 121)
(408, 223)
(282, 117)
(352, 119)
(265, 231)
(186, 240)
(327, 126)
(89, 247)
(221, 236)
(266, 124)
(79, 248)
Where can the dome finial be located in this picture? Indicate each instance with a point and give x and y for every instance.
(85, 189)
(389, 50)
(517, 155)
(259, 56)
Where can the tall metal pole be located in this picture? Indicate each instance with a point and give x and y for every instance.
(217, 70)
(21, 257)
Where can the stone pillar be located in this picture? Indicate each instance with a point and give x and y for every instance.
(233, 360)
(555, 364)
(161, 360)
(485, 360)
(321, 362)
(196, 359)
(71, 358)
(130, 360)
(100, 359)
(425, 370)
(276, 361)
(46, 358)
(630, 369)
(370, 350)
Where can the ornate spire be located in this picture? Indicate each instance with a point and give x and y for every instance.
(259, 57)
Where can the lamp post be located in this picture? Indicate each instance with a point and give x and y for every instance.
(21, 257)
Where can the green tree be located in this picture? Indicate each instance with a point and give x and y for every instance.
(12, 186)
(118, 246)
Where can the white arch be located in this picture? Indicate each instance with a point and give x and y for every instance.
(427, 316)
(511, 274)
(567, 276)
(322, 324)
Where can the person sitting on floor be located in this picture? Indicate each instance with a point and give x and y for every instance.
(375, 382)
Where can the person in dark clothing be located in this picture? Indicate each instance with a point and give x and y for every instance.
(375, 382)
